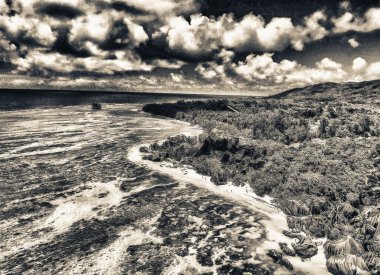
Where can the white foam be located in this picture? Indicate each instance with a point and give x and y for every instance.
(109, 260)
(84, 205)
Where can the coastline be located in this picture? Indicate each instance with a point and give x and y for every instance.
(275, 220)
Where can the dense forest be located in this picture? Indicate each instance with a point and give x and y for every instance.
(315, 150)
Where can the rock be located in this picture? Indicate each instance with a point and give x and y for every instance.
(96, 106)
(346, 245)
(295, 208)
(286, 263)
(293, 235)
(204, 256)
(277, 257)
(155, 157)
(347, 265)
(316, 225)
(144, 149)
(287, 250)
(306, 249)
(274, 254)
(46, 204)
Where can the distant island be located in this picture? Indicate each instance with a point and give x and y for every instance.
(314, 150)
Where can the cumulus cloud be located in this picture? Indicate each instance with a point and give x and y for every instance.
(263, 70)
(196, 38)
(358, 64)
(252, 34)
(348, 21)
(353, 43)
(43, 63)
(312, 30)
(167, 63)
(107, 29)
(69, 36)
(177, 77)
(362, 70)
(202, 35)
(373, 71)
(92, 27)
(18, 28)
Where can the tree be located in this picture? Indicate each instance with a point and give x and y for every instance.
(323, 126)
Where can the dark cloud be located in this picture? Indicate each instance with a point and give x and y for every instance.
(57, 10)
(63, 46)
(122, 6)
(336, 47)
(266, 8)
(158, 48)
(295, 9)
(118, 37)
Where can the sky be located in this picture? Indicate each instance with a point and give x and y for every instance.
(197, 46)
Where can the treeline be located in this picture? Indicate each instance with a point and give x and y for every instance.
(172, 109)
(286, 121)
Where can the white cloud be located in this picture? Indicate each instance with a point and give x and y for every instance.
(349, 22)
(177, 77)
(138, 34)
(311, 31)
(44, 62)
(344, 5)
(17, 27)
(263, 70)
(353, 43)
(358, 64)
(91, 31)
(168, 64)
(91, 27)
(196, 38)
(251, 34)
(373, 71)
(4, 9)
(202, 35)
(328, 64)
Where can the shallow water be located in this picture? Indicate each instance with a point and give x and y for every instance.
(72, 203)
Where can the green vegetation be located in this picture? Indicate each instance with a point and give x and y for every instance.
(316, 151)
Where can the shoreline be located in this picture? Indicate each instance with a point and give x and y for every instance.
(275, 220)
